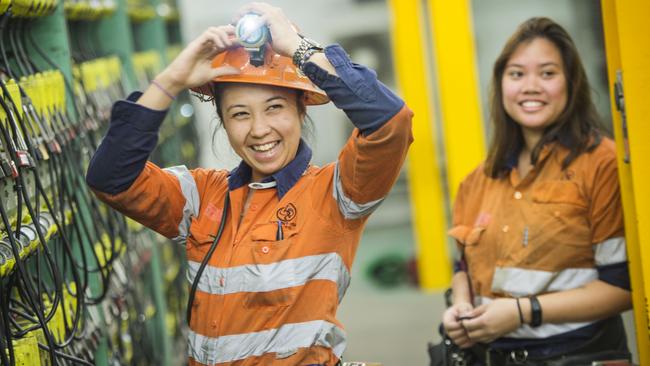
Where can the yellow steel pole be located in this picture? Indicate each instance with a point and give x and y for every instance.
(627, 40)
(428, 202)
(455, 60)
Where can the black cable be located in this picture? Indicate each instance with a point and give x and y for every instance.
(204, 262)
(25, 194)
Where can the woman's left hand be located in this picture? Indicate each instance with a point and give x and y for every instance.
(493, 320)
(284, 36)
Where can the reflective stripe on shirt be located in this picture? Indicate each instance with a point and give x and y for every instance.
(283, 340)
(192, 201)
(351, 210)
(273, 276)
(610, 251)
(523, 282)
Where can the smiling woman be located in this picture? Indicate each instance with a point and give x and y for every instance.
(263, 124)
(270, 244)
(543, 275)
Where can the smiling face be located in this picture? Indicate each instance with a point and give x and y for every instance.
(263, 124)
(534, 86)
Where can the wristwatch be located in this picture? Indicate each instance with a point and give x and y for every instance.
(536, 312)
(306, 48)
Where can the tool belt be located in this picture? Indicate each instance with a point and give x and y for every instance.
(608, 344)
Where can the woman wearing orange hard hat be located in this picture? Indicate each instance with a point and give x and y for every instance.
(270, 244)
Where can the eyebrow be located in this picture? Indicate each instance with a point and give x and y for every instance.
(550, 63)
(266, 101)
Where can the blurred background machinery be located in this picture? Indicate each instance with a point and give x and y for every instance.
(80, 284)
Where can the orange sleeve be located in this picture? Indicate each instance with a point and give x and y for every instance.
(163, 200)
(605, 209)
(368, 166)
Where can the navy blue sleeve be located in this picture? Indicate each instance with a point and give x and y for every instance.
(365, 100)
(616, 274)
(122, 154)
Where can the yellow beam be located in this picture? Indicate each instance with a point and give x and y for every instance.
(628, 52)
(427, 199)
(460, 105)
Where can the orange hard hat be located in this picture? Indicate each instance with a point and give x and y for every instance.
(277, 70)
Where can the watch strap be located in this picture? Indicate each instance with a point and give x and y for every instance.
(536, 312)
(305, 45)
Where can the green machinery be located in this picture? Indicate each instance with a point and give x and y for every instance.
(80, 284)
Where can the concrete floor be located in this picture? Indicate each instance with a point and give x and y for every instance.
(393, 325)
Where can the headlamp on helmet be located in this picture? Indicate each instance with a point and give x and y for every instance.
(253, 34)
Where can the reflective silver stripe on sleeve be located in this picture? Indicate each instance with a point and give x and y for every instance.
(192, 202)
(610, 251)
(286, 339)
(350, 209)
(523, 282)
(543, 331)
(273, 276)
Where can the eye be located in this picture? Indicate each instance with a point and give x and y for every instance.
(239, 115)
(547, 74)
(275, 107)
(515, 74)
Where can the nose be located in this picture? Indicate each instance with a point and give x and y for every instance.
(260, 126)
(531, 84)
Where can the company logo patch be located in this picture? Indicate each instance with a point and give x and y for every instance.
(212, 212)
(287, 213)
(483, 219)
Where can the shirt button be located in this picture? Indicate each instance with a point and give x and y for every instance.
(518, 195)
(222, 282)
(505, 228)
(214, 324)
(556, 213)
(265, 250)
(253, 207)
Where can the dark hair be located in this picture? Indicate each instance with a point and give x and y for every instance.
(217, 94)
(576, 128)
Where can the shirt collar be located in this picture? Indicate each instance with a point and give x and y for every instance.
(513, 159)
(284, 178)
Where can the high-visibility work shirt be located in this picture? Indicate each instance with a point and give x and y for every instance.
(270, 291)
(553, 230)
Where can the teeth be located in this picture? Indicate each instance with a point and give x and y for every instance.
(265, 147)
(531, 103)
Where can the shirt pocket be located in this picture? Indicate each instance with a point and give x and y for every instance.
(200, 237)
(560, 203)
(559, 229)
(271, 279)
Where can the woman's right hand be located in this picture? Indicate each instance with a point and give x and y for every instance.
(193, 66)
(453, 326)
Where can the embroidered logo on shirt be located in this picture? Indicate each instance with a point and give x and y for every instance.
(212, 212)
(483, 219)
(287, 213)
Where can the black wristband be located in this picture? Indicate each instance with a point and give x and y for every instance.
(521, 314)
(536, 312)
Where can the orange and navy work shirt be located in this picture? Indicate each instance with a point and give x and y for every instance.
(270, 291)
(553, 230)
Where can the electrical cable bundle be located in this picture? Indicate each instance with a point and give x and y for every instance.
(70, 291)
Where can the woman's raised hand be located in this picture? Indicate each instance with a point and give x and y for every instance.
(284, 36)
(193, 66)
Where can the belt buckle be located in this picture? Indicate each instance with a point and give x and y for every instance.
(518, 356)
